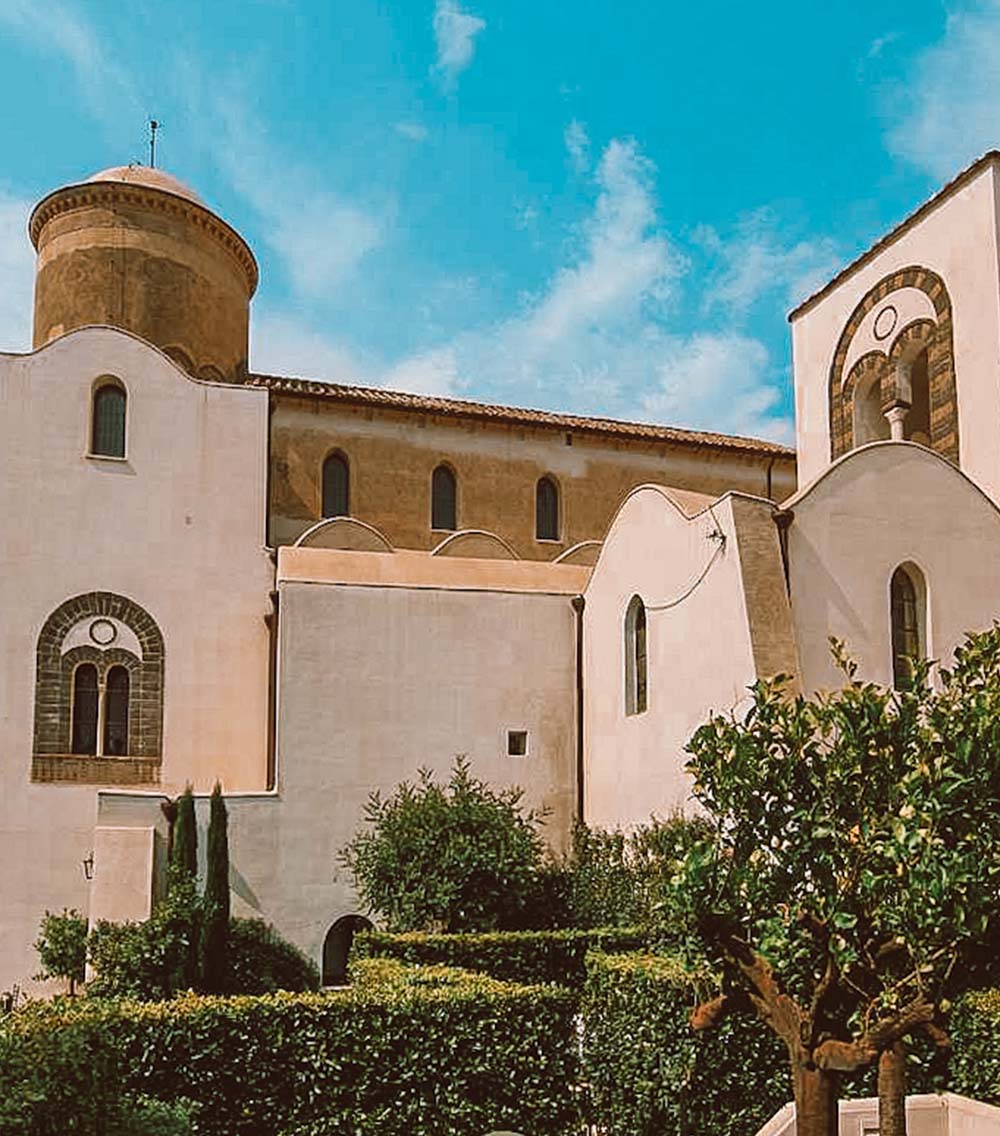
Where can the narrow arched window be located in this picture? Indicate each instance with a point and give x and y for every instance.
(336, 483)
(546, 509)
(443, 494)
(107, 428)
(116, 712)
(84, 737)
(906, 638)
(636, 688)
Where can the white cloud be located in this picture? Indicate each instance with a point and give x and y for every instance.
(415, 131)
(455, 34)
(627, 260)
(320, 236)
(55, 28)
(601, 336)
(17, 274)
(946, 112)
(754, 262)
(282, 344)
(578, 145)
(721, 382)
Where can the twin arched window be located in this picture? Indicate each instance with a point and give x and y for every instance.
(636, 663)
(336, 486)
(443, 499)
(100, 711)
(107, 420)
(546, 509)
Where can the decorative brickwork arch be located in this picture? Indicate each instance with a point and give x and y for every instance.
(936, 338)
(56, 664)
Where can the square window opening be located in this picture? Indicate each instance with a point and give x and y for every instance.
(517, 743)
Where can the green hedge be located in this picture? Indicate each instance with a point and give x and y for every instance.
(432, 1051)
(650, 1074)
(511, 956)
(975, 1060)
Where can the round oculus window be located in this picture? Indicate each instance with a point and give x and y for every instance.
(885, 322)
(103, 632)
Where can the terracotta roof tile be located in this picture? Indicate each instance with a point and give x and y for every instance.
(513, 415)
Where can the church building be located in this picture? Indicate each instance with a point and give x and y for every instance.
(308, 590)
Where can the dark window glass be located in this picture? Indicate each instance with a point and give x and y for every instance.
(635, 657)
(443, 511)
(336, 478)
(546, 510)
(905, 627)
(85, 709)
(108, 426)
(116, 713)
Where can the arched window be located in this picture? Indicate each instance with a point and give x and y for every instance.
(443, 512)
(870, 424)
(635, 657)
(917, 424)
(546, 509)
(337, 947)
(116, 712)
(98, 693)
(907, 645)
(84, 739)
(107, 427)
(336, 483)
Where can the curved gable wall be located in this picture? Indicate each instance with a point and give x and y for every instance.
(881, 506)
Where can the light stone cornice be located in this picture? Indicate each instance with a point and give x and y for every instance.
(97, 194)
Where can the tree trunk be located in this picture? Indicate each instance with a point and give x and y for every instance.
(816, 1097)
(892, 1091)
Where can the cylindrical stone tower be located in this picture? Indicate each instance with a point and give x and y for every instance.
(132, 247)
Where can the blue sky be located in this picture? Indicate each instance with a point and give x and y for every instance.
(604, 207)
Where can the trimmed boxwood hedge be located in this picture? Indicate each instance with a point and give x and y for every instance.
(434, 1051)
(975, 1060)
(510, 956)
(650, 1074)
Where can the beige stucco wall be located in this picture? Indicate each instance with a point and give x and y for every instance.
(958, 240)
(884, 505)
(178, 528)
(701, 652)
(392, 455)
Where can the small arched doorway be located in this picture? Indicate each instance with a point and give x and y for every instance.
(337, 947)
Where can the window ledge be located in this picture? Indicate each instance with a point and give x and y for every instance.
(105, 458)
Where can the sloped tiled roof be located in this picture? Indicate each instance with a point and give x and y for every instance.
(511, 415)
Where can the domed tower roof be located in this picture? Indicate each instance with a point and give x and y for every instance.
(135, 174)
(133, 247)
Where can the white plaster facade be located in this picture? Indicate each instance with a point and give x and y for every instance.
(306, 677)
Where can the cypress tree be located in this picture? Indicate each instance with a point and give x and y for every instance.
(185, 850)
(215, 929)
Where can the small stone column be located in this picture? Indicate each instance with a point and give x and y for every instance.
(896, 416)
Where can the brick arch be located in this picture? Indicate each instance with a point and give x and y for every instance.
(51, 759)
(940, 363)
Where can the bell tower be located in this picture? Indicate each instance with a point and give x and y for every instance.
(134, 248)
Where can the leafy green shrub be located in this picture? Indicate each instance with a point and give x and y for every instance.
(146, 961)
(975, 1061)
(150, 960)
(510, 956)
(62, 947)
(460, 856)
(430, 1051)
(650, 1074)
(261, 961)
(68, 1080)
(614, 879)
